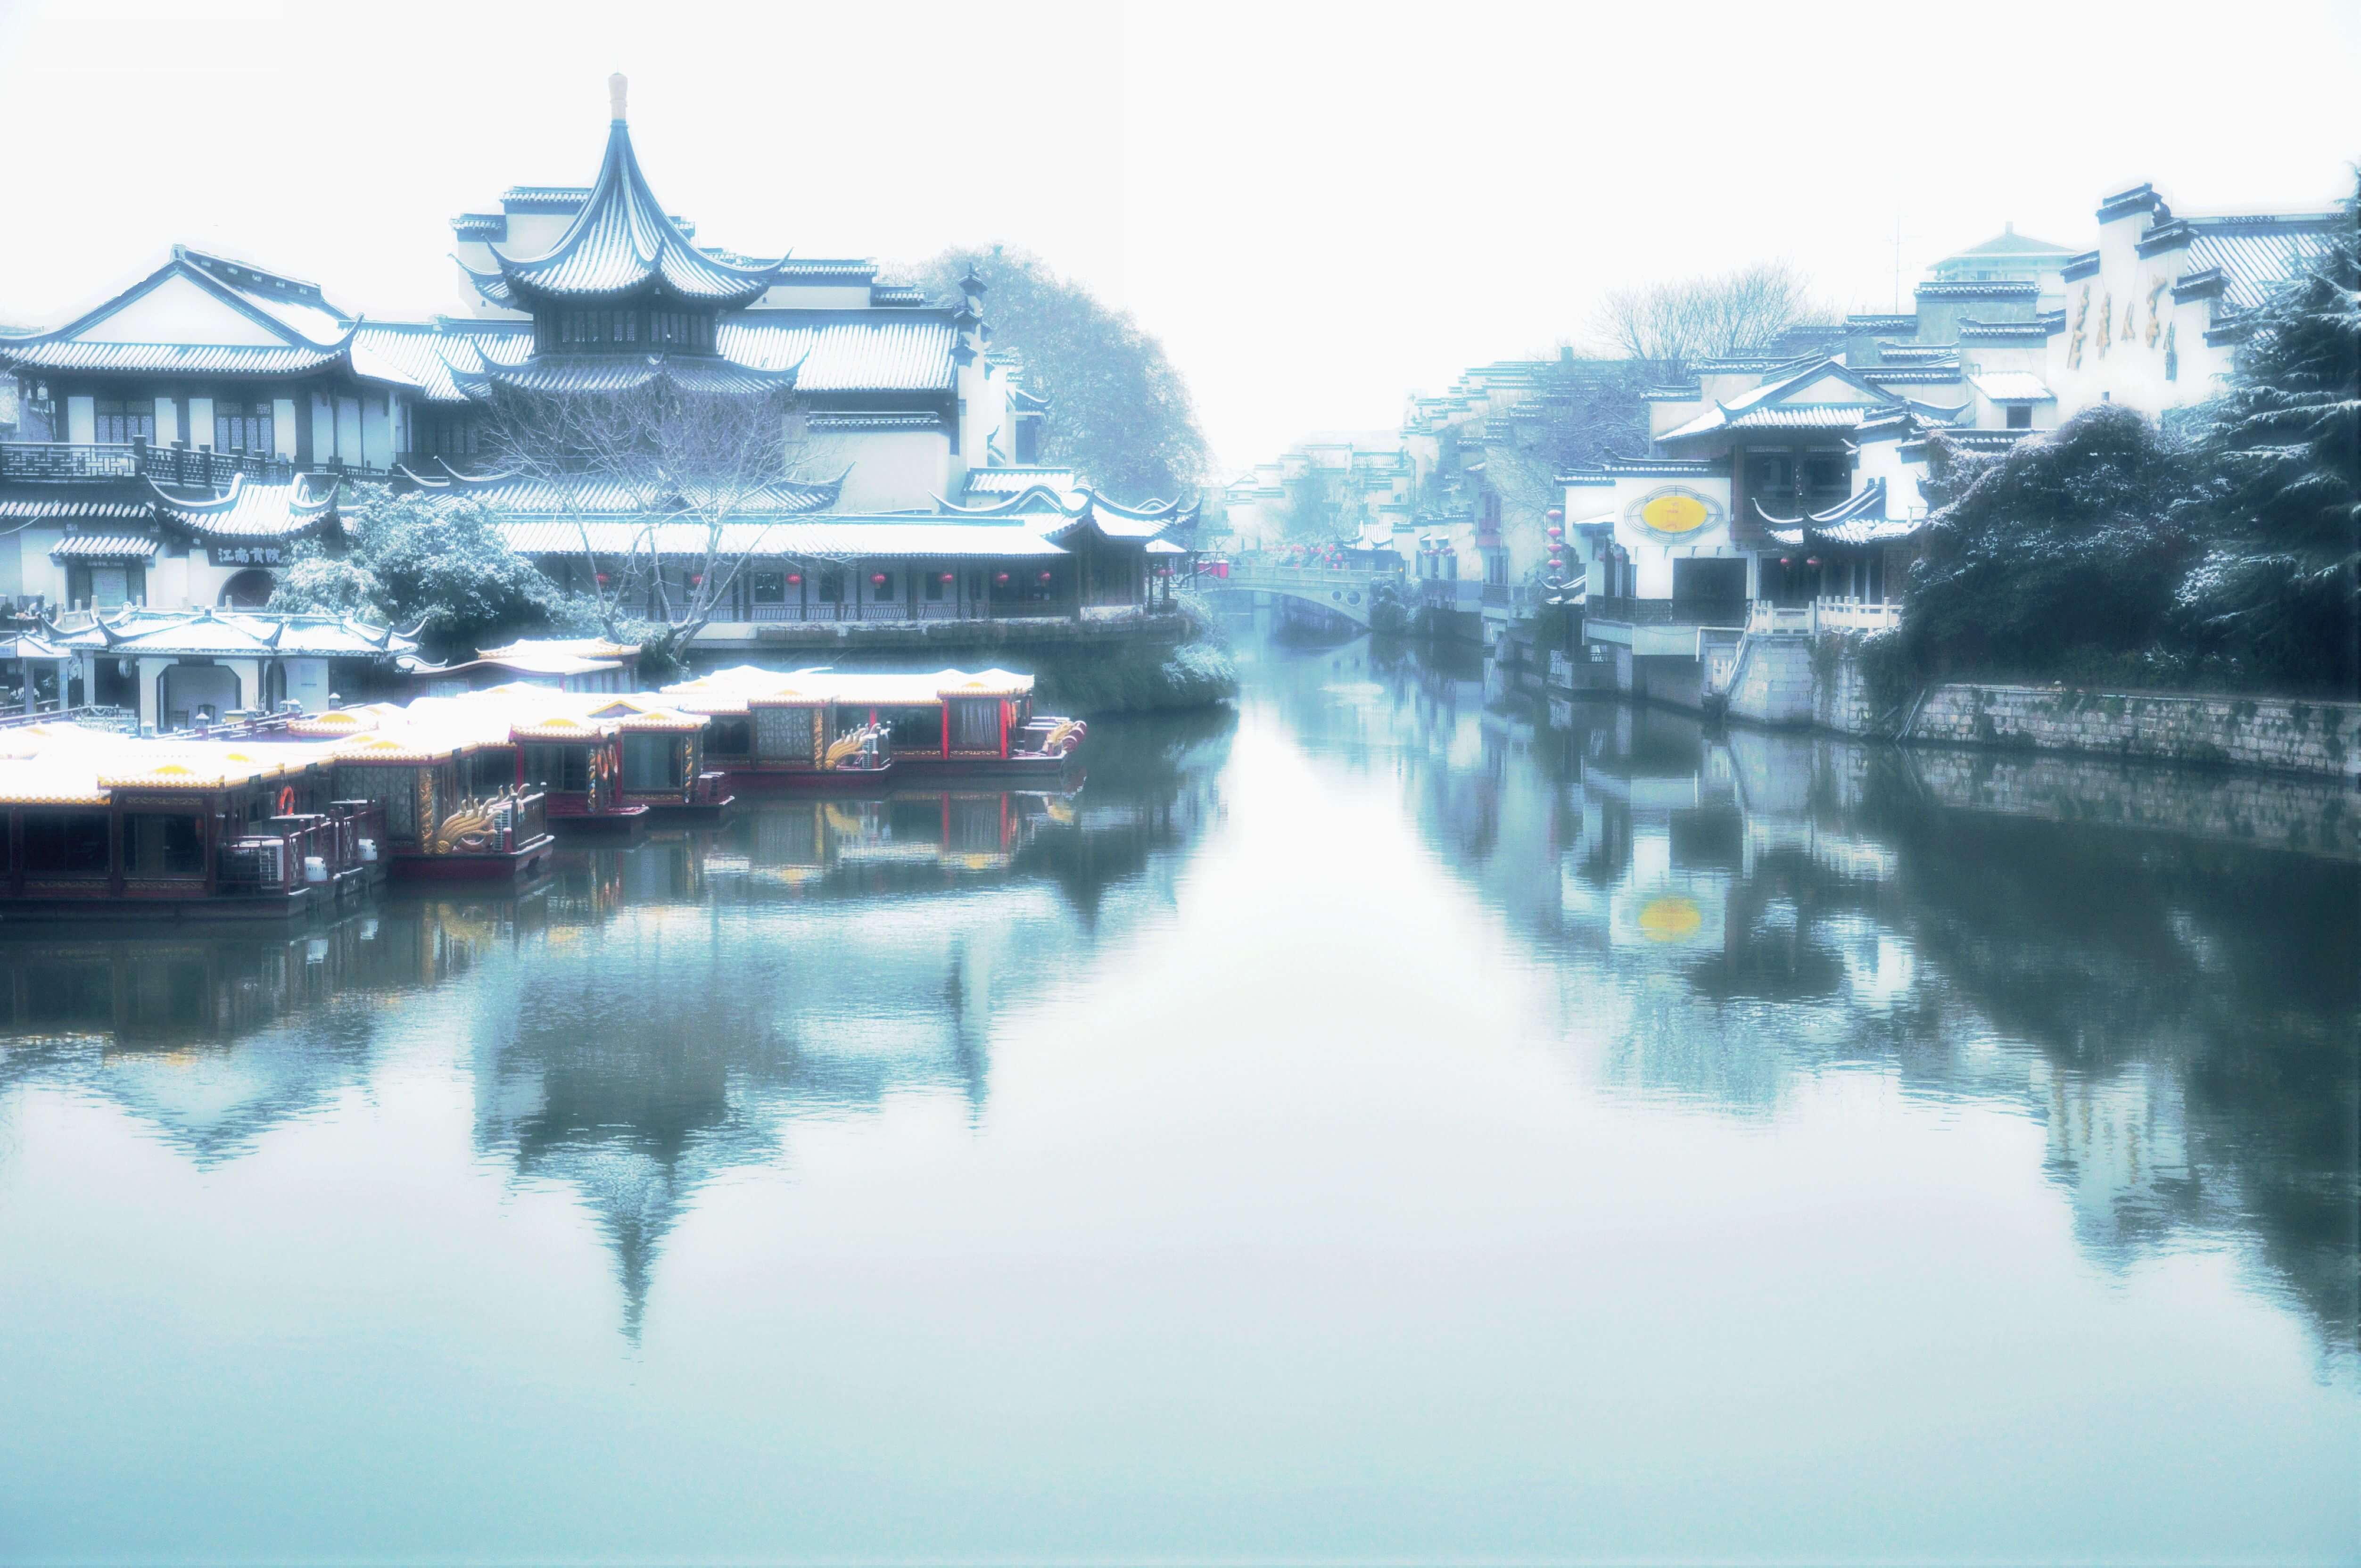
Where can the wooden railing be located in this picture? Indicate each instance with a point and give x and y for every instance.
(178, 464)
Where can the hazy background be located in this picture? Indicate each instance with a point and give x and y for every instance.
(1319, 209)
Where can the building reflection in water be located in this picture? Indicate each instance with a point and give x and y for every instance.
(664, 1012)
(2112, 950)
(213, 1039)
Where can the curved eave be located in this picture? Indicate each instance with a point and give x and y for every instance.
(623, 241)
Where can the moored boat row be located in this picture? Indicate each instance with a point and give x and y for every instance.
(279, 815)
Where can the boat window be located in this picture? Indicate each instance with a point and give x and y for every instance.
(66, 843)
(558, 767)
(395, 789)
(975, 724)
(491, 773)
(648, 763)
(787, 734)
(728, 738)
(914, 728)
(160, 844)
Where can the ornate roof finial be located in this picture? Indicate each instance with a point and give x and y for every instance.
(615, 86)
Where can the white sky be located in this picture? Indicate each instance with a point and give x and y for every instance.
(1318, 208)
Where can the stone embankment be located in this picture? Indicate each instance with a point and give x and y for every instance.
(2318, 738)
(1822, 682)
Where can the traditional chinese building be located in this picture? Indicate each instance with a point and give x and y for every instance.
(1780, 493)
(180, 438)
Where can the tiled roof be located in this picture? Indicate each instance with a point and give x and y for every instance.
(1011, 481)
(2256, 255)
(435, 358)
(873, 421)
(1911, 375)
(1916, 353)
(1862, 530)
(290, 303)
(207, 358)
(209, 631)
(520, 496)
(2012, 387)
(622, 240)
(1869, 502)
(1980, 289)
(252, 509)
(621, 372)
(1800, 416)
(2008, 242)
(850, 352)
(2028, 333)
(33, 506)
(103, 547)
(820, 538)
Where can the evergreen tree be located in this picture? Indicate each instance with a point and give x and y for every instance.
(2061, 555)
(1119, 411)
(2280, 588)
(441, 567)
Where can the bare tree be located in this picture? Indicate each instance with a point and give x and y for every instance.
(1682, 321)
(671, 493)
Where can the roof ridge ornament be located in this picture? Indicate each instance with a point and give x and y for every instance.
(618, 86)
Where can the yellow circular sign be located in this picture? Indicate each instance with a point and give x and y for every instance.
(1670, 917)
(1675, 513)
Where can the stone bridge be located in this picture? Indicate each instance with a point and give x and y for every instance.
(1350, 593)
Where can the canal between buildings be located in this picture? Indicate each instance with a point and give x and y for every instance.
(1370, 1125)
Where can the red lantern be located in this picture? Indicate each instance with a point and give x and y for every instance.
(1813, 561)
(1000, 576)
(947, 577)
(602, 579)
(1163, 571)
(698, 581)
(1045, 577)
(878, 578)
(795, 579)
(1784, 562)
(1557, 533)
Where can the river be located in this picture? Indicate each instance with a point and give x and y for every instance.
(1372, 1125)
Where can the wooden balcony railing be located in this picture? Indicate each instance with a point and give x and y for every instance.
(178, 464)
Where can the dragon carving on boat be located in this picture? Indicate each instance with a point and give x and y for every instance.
(473, 828)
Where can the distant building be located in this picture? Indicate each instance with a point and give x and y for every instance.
(1782, 491)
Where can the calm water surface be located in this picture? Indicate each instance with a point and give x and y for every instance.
(1371, 1126)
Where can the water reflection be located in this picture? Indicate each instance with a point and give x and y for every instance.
(214, 1038)
(2111, 949)
(678, 1003)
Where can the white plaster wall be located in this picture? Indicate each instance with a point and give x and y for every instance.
(892, 470)
(307, 683)
(201, 422)
(178, 311)
(376, 447)
(282, 426)
(815, 297)
(168, 420)
(1883, 460)
(81, 421)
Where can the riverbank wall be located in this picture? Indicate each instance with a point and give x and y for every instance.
(1135, 664)
(1824, 683)
(1788, 770)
